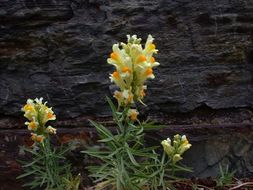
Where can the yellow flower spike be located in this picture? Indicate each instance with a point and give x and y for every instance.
(38, 114)
(133, 63)
(180, 145)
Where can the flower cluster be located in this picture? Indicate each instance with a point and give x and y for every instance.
(180, 145)
(38, 115)
(134, 65)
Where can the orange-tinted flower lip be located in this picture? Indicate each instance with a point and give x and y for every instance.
(141, 59)
(115, 74)
(114, 56)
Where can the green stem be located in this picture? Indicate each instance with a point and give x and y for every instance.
(173, 169)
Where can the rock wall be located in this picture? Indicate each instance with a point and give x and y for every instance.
(58, 50)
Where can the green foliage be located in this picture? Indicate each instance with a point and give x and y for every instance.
(72, 182)
(126, 162)
(225, 178)
(47, 168)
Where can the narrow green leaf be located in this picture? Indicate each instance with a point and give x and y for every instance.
(26, 174)
(101, 129)
(131, 157)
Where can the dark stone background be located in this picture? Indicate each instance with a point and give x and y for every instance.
(58, 50)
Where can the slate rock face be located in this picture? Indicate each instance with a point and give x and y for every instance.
(58, 50)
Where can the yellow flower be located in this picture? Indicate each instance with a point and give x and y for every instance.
(128, 96)
(151, 47)
(48, 114)
(176, 158)
(115, 75)
(114, 56)
(132, 114)
(167, 146)
(152, 59)
(32, 126)
(126, 69)
(51, 130)
(28, 107)
(184, 146)
(134, 65)
(37, 138)
(175, 150)
(124, 98)
(40, 138)
(149, 73)
(29, 110)
(38, 115)
(141, 59)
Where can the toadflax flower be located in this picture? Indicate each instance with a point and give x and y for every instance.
(38, 115)
(132, 114)
(51, 130)
(133, 66)
(175, 150)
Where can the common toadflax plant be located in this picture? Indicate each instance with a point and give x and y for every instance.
(47, 166)
(126, 162)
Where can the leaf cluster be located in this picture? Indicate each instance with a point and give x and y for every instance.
(126, 162)
(225, 177)
(47, 167)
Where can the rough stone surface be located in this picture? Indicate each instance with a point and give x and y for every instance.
(214, 146)
(58, 50)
